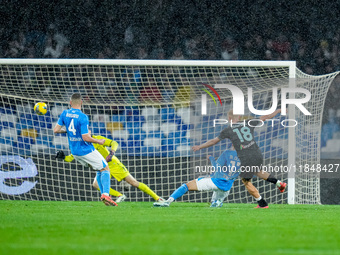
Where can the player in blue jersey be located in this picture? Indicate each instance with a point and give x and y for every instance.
(225, 170)
(225, 167)
(80, 143)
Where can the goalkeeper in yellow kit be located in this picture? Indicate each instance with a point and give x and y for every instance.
(117, 169)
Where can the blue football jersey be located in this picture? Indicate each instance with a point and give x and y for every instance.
(77, 124)
(227, 169)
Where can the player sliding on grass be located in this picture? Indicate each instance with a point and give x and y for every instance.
(117, 169)
(241, 135)
(226, 170)
(81, 144)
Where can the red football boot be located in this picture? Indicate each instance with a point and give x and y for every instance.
(282, 186)
(108, 201)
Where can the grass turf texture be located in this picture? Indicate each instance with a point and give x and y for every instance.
(35, 227)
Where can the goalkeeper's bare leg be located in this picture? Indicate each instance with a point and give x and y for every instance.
(143, 187)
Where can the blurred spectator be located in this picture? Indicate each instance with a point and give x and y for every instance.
(308, 69)
(36, 39)
(142, 53)
(107, 51)
(191, 47)
(66, 53)
(52, 50)
(324, 48)
(281, 46)
(12, 51)
(268, 55)
(301, 55)
(229, 50)
(30, 51)
(121, 54)
(178, 54)
(211, 55)
(129, 36)
(55, 43)
(259, 47)
(57, 36)
(158, 51)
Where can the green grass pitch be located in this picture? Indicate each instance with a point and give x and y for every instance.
(35, 227)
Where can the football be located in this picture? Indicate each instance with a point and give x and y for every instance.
(40, 108)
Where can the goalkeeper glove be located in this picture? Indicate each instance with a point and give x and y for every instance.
(60, 154)
(109, 157)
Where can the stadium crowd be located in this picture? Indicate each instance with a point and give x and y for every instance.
(160, 30)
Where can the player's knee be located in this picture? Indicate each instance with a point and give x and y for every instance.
(132, 181)
(192, 185)
(249, 186)
(185, 185)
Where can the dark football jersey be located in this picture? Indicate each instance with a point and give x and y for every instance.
(241, 135)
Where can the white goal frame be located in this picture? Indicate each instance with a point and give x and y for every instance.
(290, 64)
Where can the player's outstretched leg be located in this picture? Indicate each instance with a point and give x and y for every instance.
(262, 204)
(143, 187)
(104, 185)
(175, 195)
(113, 192)
(107, 200)
(270, 178)
(255, 193)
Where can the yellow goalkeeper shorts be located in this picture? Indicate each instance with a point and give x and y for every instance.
(118, 170)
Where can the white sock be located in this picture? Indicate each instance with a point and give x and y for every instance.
(278, 183)
(170, 199)
(258, 199)
(106, 194)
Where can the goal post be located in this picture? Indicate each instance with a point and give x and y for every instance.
(152, 108)
(291, 138)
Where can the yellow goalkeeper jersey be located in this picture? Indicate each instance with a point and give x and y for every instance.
(102, 149)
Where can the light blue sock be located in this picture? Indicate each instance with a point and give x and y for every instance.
(99, 181)
(179, 192)
(105, 180)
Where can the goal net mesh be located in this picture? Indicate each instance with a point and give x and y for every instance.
(154, 112)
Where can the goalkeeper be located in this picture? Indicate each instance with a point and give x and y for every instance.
(117, 169)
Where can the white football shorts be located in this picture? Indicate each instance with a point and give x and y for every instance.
(205, 184)
(94, 159)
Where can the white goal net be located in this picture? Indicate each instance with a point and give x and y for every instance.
(153, 110)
